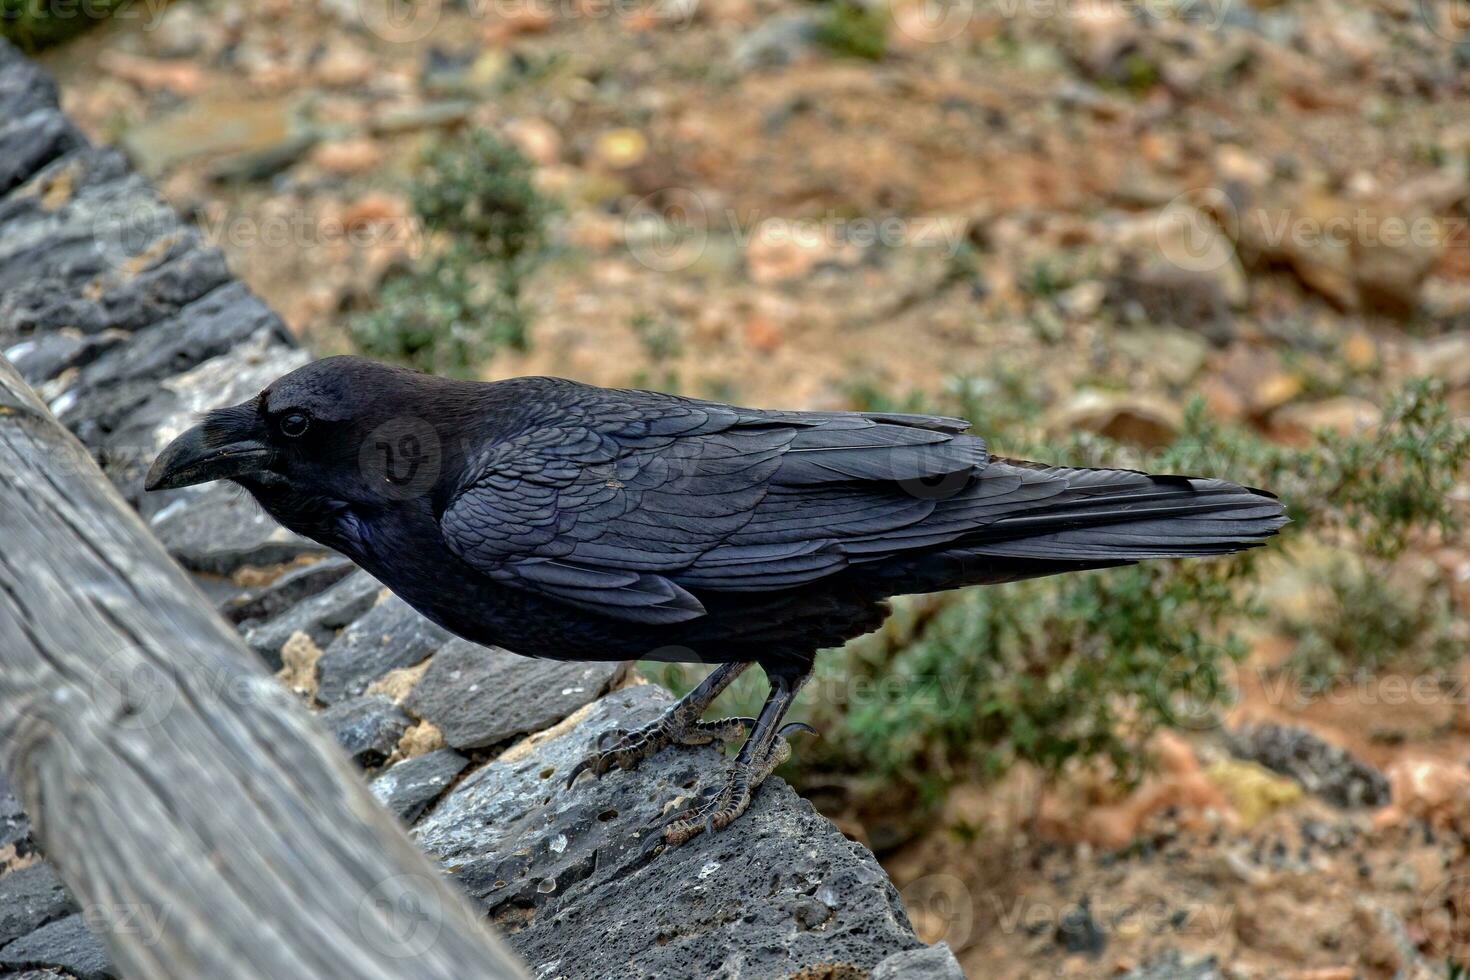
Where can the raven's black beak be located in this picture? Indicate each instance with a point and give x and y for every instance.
(216, 449)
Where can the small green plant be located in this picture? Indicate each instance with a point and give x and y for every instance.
(1044, 280)
(441, 318)
(659, 338)
(1138, 74)
(35, 24)
(854, 30)
(1382, 489)
(462, 303)
(662, 345)
(478, 189)
(1368, 624)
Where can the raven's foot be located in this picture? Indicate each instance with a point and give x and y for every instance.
(680, 725)
(621, 748)
(723, 806)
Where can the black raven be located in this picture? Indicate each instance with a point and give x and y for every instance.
(561, 520)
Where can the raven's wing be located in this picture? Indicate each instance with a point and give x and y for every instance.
(622, 501)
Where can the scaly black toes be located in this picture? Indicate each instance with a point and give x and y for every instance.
(717, 812)
(720, 809)
(622, 749)
(721, 730)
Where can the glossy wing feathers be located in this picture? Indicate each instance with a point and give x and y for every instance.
(629, 503)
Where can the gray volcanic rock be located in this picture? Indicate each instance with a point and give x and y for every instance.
(217, 528)
(481, 696)
(776, 42)
(49, 354)
(783, 892)
(208, 327)
(123, 297)
(408, 787)
(1171, 966)
(935, 962)
(102, 410)
(15, 826)
(31, 141)
(319, 617)
(391, 635)
(1322, 768)
(1079, 932)
(109, 235)
(138, 262)
(65, 944)
(294, 586)
(24, 86)
(29, 898)
(367, 727)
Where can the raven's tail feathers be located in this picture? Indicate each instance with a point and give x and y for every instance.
(1124, 516)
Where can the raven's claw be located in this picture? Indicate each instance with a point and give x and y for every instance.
(624, 749)
(721, 808)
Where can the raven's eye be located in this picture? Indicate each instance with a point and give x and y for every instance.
(295, 424)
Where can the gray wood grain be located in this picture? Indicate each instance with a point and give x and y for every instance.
(204, 823)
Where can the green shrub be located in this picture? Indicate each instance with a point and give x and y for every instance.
(1369, 623)
(442, 318)
(854, 30)
(462, 302)
(35, 24)
(479, 190)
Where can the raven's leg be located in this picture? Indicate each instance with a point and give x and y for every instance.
(680, 725)
(766, 749)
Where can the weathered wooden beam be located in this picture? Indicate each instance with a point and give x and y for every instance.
(204, 823)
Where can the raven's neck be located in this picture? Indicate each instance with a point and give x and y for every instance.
(322, 519)
(389, 541)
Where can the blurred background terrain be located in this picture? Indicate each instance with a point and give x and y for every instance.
(1207, 236)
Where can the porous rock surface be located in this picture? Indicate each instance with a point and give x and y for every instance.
(785, 892)
(408, 787)
(482, 696)
(368, 728)
(129, 325)
(389, 636)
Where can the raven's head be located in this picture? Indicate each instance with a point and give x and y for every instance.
(342, 428)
